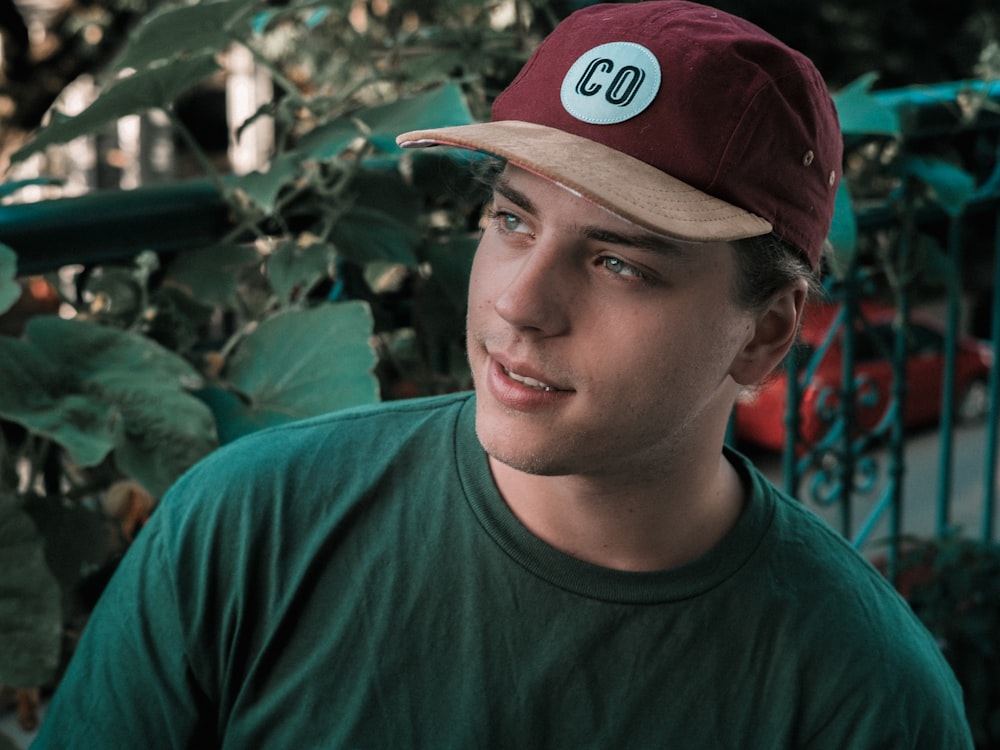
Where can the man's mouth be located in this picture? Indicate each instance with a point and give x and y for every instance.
(538, 385)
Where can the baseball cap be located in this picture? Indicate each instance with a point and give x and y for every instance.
(681, 118)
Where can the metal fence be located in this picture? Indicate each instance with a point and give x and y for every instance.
(923, 243)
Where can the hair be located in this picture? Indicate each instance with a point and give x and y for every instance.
(767, 264)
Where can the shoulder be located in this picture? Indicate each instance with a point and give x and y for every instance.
(386, 421)
(338, 434)
(854, 641)
(317, 465)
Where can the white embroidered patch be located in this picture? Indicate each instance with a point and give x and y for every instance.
(611, 83)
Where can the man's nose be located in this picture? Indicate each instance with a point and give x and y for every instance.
(538, 291)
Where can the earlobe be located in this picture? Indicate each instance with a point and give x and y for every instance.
(774, 332)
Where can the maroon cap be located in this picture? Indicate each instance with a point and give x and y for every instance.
(681, 118)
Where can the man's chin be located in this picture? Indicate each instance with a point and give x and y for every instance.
(520, 457)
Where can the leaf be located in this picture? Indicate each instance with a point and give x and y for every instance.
(95, 389)
(10, 290)
(443, 106)
(263, 188)
(234, 417)
(182, 30)
(365, 235)
(148, 89)
(451, 264)
(936, 264)
(843, 232)
(437, 108)
(293, 267)
(861, 113)
(951, 186)
(300, 363)
(30, 602)
(78, 539)
(39, 396)
(166, 432)
(211, 274)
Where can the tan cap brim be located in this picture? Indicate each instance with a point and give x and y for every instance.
(622, 184)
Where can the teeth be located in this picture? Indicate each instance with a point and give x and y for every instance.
(530, 382)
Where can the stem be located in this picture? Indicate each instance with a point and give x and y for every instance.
(210, 171)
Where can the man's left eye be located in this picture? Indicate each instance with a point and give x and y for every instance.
(510, 222)
(621, 268)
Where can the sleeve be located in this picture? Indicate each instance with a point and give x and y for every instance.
(129, 681)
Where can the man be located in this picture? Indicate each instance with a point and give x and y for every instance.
(569, 557)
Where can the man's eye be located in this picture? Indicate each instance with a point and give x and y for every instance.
(620, 268)
(508, 222)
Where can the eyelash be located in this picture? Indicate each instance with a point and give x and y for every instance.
(633, 272)
(496, 218)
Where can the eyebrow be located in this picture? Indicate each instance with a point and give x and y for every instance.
(503, 187)
(641, 240)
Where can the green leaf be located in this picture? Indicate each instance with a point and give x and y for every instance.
(365, 235)
(30, 602)
(166, 432)
(211, 275)
(263, 188)
(234, 416)
(936, 264)
(94, 389)
(148, 89)
(297, 364)
(10, 290)
(862, 114)
(443, 106)
(182, 30)
(328, 141)
(78, 539)
(437, 108)
(38, 395)
(451, 264)
(951, 186)
(843, 232)
(295, 268)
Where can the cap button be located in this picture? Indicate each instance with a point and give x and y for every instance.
(808, 158)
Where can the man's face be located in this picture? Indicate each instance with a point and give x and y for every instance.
(597, 348)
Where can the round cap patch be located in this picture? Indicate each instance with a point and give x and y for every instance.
(611, 83)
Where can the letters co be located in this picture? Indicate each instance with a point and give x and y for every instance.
(611, 83)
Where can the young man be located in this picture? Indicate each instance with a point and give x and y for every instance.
(569, 557)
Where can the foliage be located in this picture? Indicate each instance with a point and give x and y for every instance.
(340, 282)
(953, 585)
(889, 167)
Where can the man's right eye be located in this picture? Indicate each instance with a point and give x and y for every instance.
(508, 222)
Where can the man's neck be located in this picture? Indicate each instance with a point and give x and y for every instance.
(637, 524)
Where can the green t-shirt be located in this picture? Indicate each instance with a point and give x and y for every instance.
(356, 581)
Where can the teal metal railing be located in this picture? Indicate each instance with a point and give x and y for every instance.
(848, 463)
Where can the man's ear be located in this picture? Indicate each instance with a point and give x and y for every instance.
(775, 329)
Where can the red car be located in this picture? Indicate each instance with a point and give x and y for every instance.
(760, 412)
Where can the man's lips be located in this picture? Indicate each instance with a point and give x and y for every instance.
(528, 381)
(522, 389)
(528, 376)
